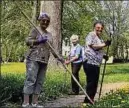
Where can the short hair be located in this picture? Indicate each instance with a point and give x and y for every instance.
(99, 22)
(74, 37)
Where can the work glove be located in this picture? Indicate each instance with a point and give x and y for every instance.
(105, 57)
(108, 42)
(42, 39)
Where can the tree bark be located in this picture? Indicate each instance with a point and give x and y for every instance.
(53, 9)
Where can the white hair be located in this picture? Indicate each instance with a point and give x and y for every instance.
(74, 37)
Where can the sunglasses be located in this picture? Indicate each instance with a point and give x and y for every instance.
(45, 21)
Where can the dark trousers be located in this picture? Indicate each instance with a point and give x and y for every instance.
(92, 73)
(75, 71)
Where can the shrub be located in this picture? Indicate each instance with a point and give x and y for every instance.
(117, 99)
(11, 88)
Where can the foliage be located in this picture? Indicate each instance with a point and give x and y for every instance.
(117, 99)
(75, 20)
(79, 16)
(13, 75)
(57, 82)
(11, 85)
(14, 29)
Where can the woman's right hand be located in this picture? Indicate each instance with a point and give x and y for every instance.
(67, 62)
(108, 42)
(42, 39)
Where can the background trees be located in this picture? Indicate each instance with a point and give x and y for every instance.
(76, 17)
(14, 29)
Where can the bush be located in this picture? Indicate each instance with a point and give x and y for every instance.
(11, 88)
(57, 83)
(117, 99)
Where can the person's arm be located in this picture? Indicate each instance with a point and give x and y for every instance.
(97, 47)
(72, 59)
(31, 39)
(34, 38)
(100, 46)
(78, 51)
(89, 42)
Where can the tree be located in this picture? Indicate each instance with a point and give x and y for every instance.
(53, 8)
(14, 29)
(76, 19)
(116, 18)
(79, 16)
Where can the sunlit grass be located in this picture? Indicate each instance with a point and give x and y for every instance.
(57, 81)
(120, 77)
(117, 99)
(13, 68)
(117, 68)
(114, 72)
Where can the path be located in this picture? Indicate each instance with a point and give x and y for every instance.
(75, 100)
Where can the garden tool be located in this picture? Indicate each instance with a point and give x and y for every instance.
(104, 69)
(55, 53)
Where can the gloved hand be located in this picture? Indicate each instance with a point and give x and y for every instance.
(108, 42)
(42, 39)
(105, 57)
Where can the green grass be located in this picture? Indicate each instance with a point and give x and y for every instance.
(114, 72)
(57, 81)
(117, 68)
(119, 77)
(12, 68)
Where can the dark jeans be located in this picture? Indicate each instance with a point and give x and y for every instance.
(75, 71)
(92, 73)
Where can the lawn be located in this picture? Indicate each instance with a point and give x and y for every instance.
(114, 72)
(57, 80)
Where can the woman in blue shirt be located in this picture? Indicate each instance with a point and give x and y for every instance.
(75, 58)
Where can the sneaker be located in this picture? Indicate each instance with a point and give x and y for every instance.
(25, 105)
(37, 105)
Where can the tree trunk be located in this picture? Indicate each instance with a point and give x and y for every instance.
(6, 52)
(127, 53)
(62, 4)
(53, 8)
